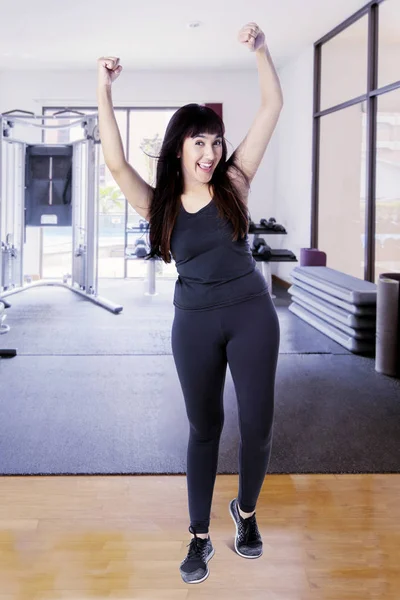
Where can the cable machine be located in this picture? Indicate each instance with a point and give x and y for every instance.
(50, 185)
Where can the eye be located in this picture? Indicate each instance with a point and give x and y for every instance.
(216, 142)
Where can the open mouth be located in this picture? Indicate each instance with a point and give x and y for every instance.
(204, 168)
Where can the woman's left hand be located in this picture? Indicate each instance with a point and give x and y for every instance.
(251, 36)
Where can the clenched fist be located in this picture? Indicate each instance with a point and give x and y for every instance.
(108, 70)
(251, 36)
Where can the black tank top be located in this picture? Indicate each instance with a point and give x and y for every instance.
(212, 269)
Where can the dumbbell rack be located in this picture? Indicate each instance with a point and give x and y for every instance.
(279, 255)
(256, 230)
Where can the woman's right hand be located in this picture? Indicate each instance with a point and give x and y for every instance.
(108, 70)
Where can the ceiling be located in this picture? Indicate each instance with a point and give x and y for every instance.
(154, 35)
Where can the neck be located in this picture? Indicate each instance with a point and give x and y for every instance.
(204, 191)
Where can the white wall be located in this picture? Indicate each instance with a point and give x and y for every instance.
(292, 160)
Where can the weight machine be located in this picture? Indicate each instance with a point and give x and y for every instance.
(50, 185)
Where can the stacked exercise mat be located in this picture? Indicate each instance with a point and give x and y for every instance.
(339, 305)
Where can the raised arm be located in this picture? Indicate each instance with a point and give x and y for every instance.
(135, 189)
(252, 149)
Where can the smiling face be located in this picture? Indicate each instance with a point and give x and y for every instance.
(200, 156)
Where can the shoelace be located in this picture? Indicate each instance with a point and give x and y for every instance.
(196, 548)
(248, 529)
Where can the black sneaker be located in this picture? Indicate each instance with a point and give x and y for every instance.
(248, 542)
(194, 568)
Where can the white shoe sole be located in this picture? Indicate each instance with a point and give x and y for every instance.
(236, 536)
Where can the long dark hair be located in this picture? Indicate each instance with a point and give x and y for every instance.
(189, 121)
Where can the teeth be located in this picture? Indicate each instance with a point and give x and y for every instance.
(204, 165)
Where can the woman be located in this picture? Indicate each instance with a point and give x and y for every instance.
(224, 314)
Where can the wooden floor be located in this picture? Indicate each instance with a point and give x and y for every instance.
(326, 537)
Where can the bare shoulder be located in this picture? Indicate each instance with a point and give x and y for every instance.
(240, 184)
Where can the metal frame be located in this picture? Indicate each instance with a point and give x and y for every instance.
(12, 213)
(370, 97)
(84, 203)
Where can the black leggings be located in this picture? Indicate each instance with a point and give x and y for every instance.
(245, 335)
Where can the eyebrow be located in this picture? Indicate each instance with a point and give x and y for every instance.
(204, 136)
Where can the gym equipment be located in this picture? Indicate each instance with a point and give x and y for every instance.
(265, 254)
(48, 194)
(266, 226)
(387, 359)
(353, 309)
(141, 248)
(50, 185)
(339, 285)
(271, 225)
(336, 315)
(6, 352)
(339, 305)
(312, 257)
(144, 225)
(139, 253)
(3, 327)
(10, 266)
(259, 244)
